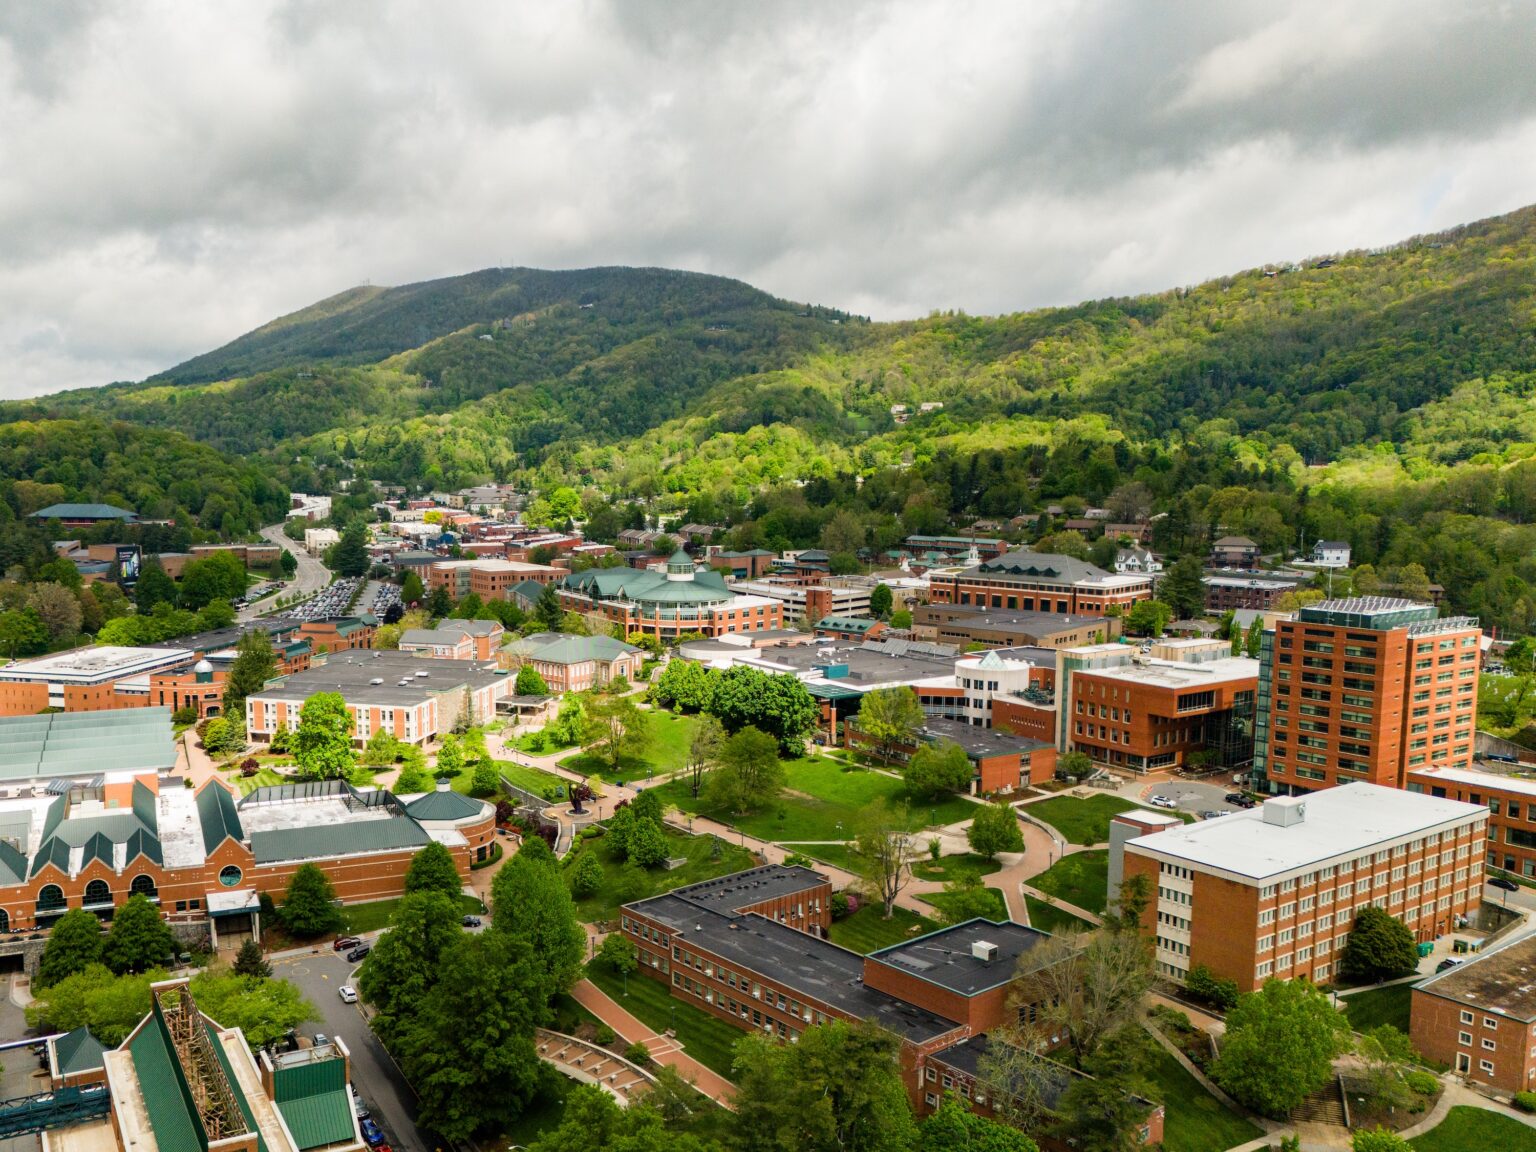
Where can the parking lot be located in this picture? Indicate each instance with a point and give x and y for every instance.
(1194, 796)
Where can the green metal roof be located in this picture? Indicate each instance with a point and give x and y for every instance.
(144, 843)
(846, 623)
(580, 649)
(13, 865)
(167, 1098)
(84, 512)
(217, 814)
(314, 1102)
(337, 840)
(444, 805)
(86, 743)
(827, 691)
(79, 1051)
(144, 806)
(54, 851)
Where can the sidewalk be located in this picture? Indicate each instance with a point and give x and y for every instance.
(663, 1049)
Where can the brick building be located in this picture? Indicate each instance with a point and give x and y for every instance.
(669, 603)
(1273, 891)
(487, 579)
(1039, 582)
(455, 640)
(93, 679)
(1479, 1018)
(961, 625)
(1364, 689)
(577, 663)
(1233, 592)
(1002, 761)
(1511, 804)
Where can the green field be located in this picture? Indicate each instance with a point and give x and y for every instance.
(666, 753)
(264, 778)
(706, 1038)
(1081, 879)
(1476, 1130)
(843, 856)
(1050, 918)
(942, 901)
(823, 801)
(523, 777)
(622, 884)
(1193, 1119)
(1079, 821)
(948, 868)
(1377, 1006)
(864, 931)
(374, 915)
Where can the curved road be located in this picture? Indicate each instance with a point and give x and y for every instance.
(310, 577)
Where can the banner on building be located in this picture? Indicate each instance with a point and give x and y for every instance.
(129, 561)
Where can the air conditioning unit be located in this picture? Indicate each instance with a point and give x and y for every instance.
(984, 950)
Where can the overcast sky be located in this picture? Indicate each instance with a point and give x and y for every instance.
(172, 175)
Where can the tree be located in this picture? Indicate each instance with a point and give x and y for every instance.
(450, 757)
(397, 974)
(1073, 764)
(547, 611)
(591, 1118)
(253, 666)
(381, 749)
(1280, 1047)
(110, 1006)
(901, 619)
(839, 1089)
(883, 842)
(1378, 1139)
(994, 829)
(1365, 581)
(139, 937)
(570, 722)
(1413, 583)
(22, 633)
(265, 1010)
(890, 717)
(880, 601)
(967, 899)
(411, 590)
(1386, 1053)
(1130, 904)
(936, 769)
(432, 870)
(704, 749)
(1254, 639)
(153, 586)
(1379, 946)
(780, 705)
(216, 576)
(282, 739)
(618, 952)
(486, 780)
(617, 727)
(309, 906)
(648, 805)
(468, 1049)
(250, 961)
(530, 683)
(1183, 587)
(530, 902)
(1083, 987)
(74, 943)
(439, 602)
(750, 775)
(647, 843)
(350, 555)
(1520, 657)
(289, 563)
(586, 876)
(1147, 618)
(952, 1127)
(322, 746)
(684, 686)
(59, 610)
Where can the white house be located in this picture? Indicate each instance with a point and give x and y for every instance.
(1137, 560)
(1331, 554)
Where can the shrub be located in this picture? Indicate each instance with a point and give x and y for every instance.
(1426, 1084)
(604, 1034)
(1525, 1101)
(250, 766)
(587, 876)
(536, 742)
(1205, 985)
(187, 714)
(638, 1054)
(839, 905)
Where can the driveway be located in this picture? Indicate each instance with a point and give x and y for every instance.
(1193, 796)
(310, 577)
(374, 1075)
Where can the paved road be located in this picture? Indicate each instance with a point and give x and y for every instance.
(310, 577)
(374, 1074)
(1193, 796)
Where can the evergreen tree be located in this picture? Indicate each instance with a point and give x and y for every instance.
(250, 961)
(1183, 587)
(880, 601)
(74, 944)
(139, 937)
(411, 590)
(548, 611)
(1379, 946)
(433, 870)
(309, 906)
(253, 666)
(530, 683)
(153, 586)
(350, 557)
(586, 876)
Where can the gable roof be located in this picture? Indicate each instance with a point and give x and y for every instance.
(78, 1051)
(217, 814)
(444, 804)
(1041, 565)
(314, 1102)
(580, 649)
(84, 512)
(325, 841)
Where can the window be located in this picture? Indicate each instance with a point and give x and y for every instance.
(1464, 1038)
(50, 898)
(1486, 1066)
(97, 892)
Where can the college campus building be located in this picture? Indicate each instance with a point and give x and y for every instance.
(487, 579)
(961, 625)
(1479, 1018)
(1273, 891)
(455, 640)
(413, 698)
(1039, 582)
(90, 679)
(577, 663)
(1511, 804)
(670, 603)
(812, 598)
(1368, 689)
(1002, 761)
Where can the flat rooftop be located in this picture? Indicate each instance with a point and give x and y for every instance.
(404, 678)
(946, 958)
(1178, 674)
(1027, 623)
(1502, 982)
(870, 664)
(978, 743)
(95, 664)
(1506, 778)
(1338, 823)
(728, 894)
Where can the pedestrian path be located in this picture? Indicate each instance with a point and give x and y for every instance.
(664, 1049)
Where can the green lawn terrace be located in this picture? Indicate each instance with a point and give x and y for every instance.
(1080, 879)
(1085, 820)
(705, 857)
(666, 751)
(823, 800)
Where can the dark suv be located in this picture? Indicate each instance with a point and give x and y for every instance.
(358, 953)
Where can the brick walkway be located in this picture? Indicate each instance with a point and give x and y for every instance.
(664, 1049)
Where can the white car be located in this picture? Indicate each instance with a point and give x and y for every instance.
(1161, 802)
(347, 993)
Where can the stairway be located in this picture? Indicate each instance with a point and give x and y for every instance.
(1322, 1107)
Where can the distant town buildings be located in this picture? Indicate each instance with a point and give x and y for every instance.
(1037, 581)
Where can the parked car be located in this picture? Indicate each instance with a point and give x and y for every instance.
(1241, 799)
(358, 953)
(345, 942)
(1503, 882)
(471, 921)
(359, 1109)
(1448, 963)
(372, 1133)
(347, 993)
(1161, 802)
(1212, 814)
(321, 1039)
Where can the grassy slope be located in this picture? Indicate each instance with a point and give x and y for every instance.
(706, 1038)
(1475, 1130)
(865, 931)
(1194, 1120)
(1081, 879)
(1080, 821)
(621, 885)
(1377, 1006)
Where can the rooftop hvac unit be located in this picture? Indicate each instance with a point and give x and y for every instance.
(984, 950)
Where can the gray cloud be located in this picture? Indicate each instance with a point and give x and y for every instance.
(174, 174)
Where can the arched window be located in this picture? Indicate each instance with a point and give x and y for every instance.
(143, 885)
(50, 898)
(97, 892)
(229, 875)
(5, 920)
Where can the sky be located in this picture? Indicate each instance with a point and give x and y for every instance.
(175, 174)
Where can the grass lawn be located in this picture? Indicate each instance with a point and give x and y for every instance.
(706, 1038)
(947, 868)
(621, 884)
(1194, 1120)
(520, 775)
(1081, 878)
(1050, 918)
(864, 931)
(942, 901)
(823, 801)
(264, 778)
(843, 856)
(1080, 821)
(1467, 1128)
(1377, 1006)
(666, 753)
(375, 914)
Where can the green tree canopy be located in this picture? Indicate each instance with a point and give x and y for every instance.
(110, 1006)
(994, 829)
(250, 961)
(1379, 946)
(750, 774)
(1183, 587)
(684, 685)
(403, 965)
(322, 746)
(309, 908)
(1280, 1047)
(253, 666)
(936, 769)
(432, 870)
(530, 902)
(529, 682)
(890, 717)
(779, 705)
(953, 1127)
(75, 942)
(349, 557)
(139, 937)
(264, 1009)
(880, 601)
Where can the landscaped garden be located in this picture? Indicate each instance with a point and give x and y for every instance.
(706, 1038)
(950, 868)
(264, 778)
(865, 931)
(707, 856)
(1081, 878)
(1079, 820)
(533, 779)
(1193, 1119)
(948, 905)
(1467, 1128)
(1377, 1006)
(822, 801)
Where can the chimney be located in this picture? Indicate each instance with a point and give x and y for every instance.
(1285, 811)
